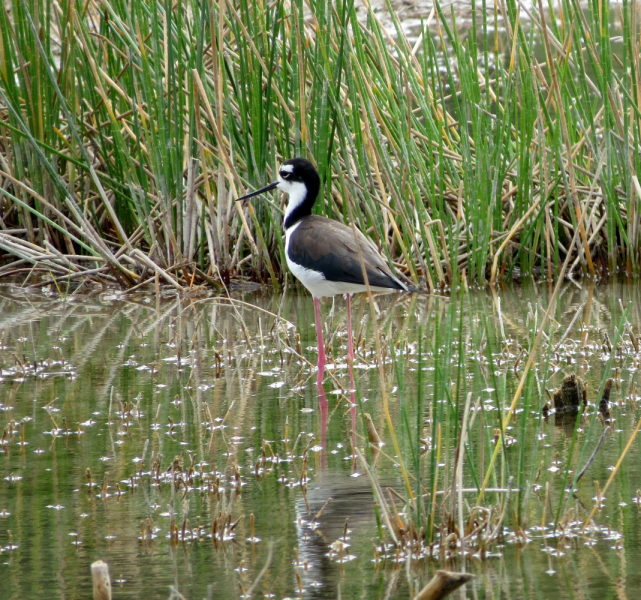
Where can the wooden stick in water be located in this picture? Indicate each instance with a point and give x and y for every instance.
(443, 584)
(101, 581)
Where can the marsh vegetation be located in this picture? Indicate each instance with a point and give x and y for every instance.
(128, 129)
(186, 443)
(161, 414)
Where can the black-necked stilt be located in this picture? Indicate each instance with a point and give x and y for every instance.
(324, 254)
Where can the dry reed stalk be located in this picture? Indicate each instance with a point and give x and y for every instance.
(601, 493)
(387, 517)
(145, 260)
(564, 129)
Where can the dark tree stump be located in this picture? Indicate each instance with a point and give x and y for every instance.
(570, 397)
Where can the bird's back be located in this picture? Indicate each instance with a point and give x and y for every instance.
(332, 248)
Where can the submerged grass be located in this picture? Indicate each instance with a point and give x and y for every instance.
(127, 130)
(471, 490)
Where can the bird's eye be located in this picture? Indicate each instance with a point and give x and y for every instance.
(285, 175)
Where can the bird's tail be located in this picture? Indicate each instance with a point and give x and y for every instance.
(406, 287)
(414, 290)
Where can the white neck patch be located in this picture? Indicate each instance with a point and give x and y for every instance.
(297, 192)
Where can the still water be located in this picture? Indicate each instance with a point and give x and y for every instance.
(185, 442)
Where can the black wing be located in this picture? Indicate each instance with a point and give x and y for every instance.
(330, 247)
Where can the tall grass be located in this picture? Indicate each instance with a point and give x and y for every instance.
(129, 128)
(483, 470)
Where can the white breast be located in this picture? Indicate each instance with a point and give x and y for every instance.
(312, 280)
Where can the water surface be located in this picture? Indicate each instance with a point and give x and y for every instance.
(156, 433)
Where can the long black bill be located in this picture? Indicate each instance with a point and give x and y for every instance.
(271, 186)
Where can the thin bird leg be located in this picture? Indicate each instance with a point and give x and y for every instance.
(321, 345)
(350, 367)
(350, 341)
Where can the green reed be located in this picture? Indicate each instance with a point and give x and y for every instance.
(133, 127)
(449, 430)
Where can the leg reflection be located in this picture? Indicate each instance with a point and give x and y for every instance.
(350, 342)
(323, 406)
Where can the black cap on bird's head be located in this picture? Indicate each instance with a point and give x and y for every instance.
(299, 169)
(291, 175)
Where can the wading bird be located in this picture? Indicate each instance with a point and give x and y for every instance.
(326, 256)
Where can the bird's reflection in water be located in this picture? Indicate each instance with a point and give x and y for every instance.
(335, 504)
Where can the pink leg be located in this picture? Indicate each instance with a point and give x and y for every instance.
(321, 345)
(350, 341)
(350, 367)
(323, 405)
